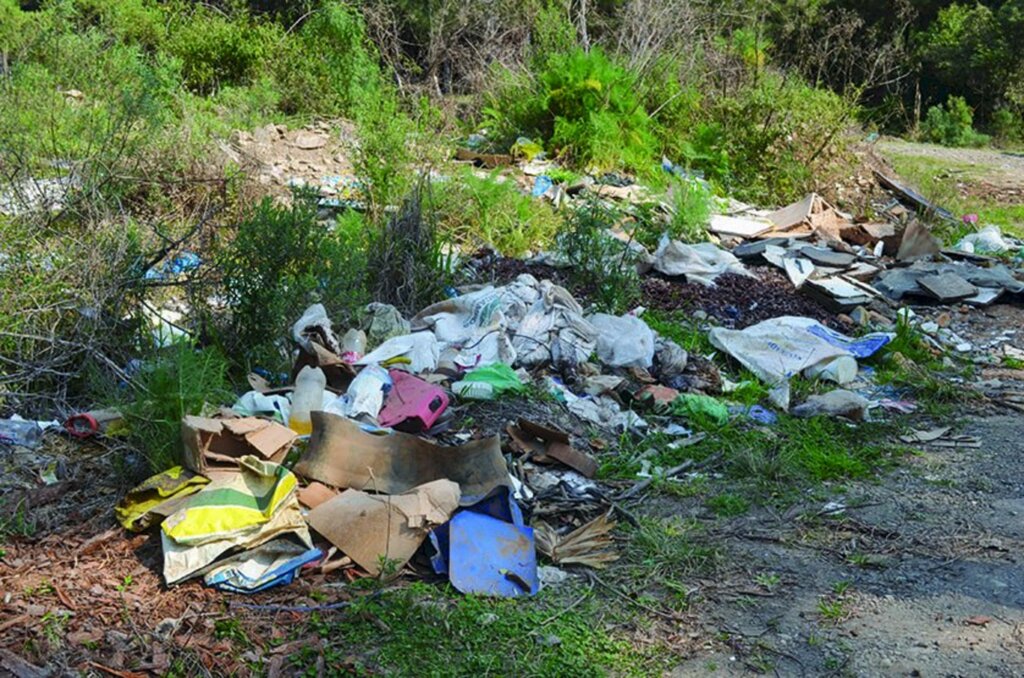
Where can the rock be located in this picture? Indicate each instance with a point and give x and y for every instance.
(838, 403)
(944, 319)
(860, 316)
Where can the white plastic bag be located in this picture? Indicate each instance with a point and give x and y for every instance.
(421, 348)
(624, 341)
(699, 263)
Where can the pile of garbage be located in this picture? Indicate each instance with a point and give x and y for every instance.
(362, 463)
(364, 460)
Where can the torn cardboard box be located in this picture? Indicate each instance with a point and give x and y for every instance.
(342, 454)
(217, 444)
(545, 444)
(374, 529)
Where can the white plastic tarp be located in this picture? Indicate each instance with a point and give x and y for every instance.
(776, 349)
(700, 263)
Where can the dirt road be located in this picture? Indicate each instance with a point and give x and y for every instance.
(923, 578)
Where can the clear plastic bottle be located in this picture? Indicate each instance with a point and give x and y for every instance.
(20, 432)
(307, 396)
(353, 345)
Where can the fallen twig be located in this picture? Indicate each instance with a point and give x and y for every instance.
(675, 470)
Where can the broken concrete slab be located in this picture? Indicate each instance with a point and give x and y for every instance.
(824, 256)
(947, 287)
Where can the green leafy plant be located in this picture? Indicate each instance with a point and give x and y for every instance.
(331, 57)
(1008, 127)
(410, 264)
(691, 210)
(280, 260)
(182, 380)
(491, 211)
(600, 265)
(582, 103)
(952, 124)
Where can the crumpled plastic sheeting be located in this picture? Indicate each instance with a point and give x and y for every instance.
(384, 322)
(314, 324)
(700, 263)
(421, 349)
(471, 328)
(527, 322)
(240, 510)
(624, 341)
(276, 563)
(776, 349)
(601, 411)
(154, 496)
(553, 327)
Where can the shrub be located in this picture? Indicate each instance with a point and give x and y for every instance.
(184, 380)
(409, 265)
(216, 50)
(583, 105)
(952, 124)
(600, 266)
(691, 210)
(777, 132)
(330, 67)
(491, 211)
(383, 155)
(1008, 127)
(280, 260)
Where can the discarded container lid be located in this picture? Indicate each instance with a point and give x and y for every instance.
(490, 557)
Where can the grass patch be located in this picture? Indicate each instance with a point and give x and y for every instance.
(937, 180)
(681, 328)
(424, 631)
(728, 505)
(491, 211)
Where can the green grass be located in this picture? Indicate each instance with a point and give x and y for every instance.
(728, 505)
(491, 211)
(680, 327)
(937, 179)
(425, 631)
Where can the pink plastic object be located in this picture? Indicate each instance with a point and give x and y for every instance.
(412, 404)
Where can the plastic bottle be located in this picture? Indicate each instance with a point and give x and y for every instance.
(307, 396)
(353, 345)
(20, 432)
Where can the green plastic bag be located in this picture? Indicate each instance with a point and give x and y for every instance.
(695, 405)
(500, 376)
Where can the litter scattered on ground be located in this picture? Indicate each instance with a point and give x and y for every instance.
(371, 461)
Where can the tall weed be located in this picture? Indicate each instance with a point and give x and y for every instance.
(600, 265)
(280, 260)
(583, 104)
(182, 381)
(493, 212)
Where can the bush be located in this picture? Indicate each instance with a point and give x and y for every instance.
(1008, 127)
(215, 50)
(582, 104)
(281, 260)
(410, 265)
(490, 211)
(600, 266)
(182, 381)
(691, 210)
(952, 124)
(330, 67)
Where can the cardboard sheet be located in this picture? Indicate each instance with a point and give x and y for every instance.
(341, 454)
(212, 444)
(743, 227)
(373, 528)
